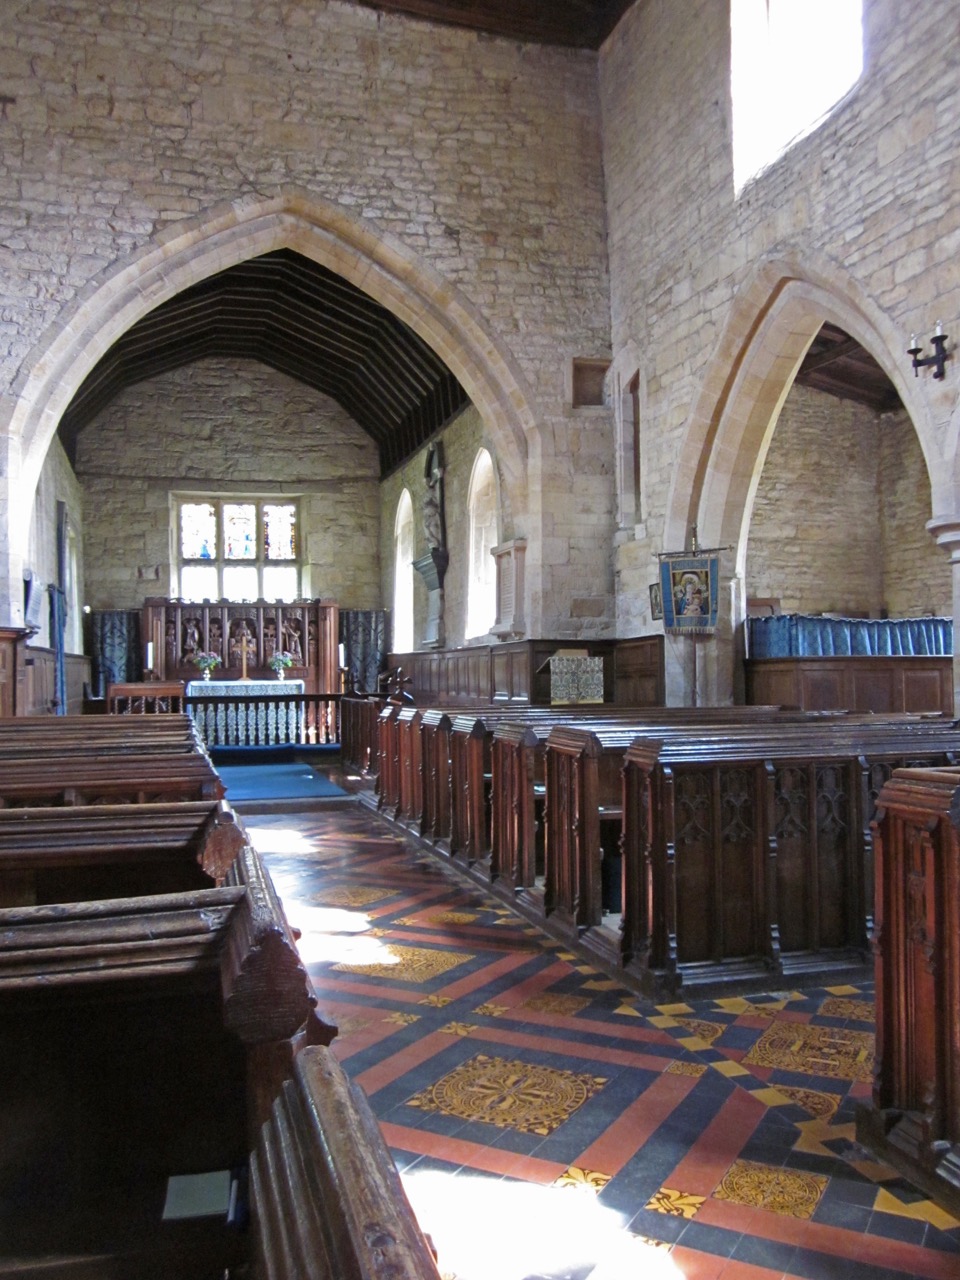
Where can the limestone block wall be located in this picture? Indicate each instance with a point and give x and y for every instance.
(481, 157)
(223, 427)
(815, 540)
(916, 573)
(838, 520)
(867, 208)
(57, 484)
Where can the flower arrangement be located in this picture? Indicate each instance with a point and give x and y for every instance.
(206, 660)
(280, 661)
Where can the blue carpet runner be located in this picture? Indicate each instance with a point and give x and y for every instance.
(290, 781)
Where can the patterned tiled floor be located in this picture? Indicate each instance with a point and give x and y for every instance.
(548, 1124)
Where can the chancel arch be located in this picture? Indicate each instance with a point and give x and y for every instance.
(198, 248)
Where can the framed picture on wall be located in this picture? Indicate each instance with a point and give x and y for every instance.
(656, 601)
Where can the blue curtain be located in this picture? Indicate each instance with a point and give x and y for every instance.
(58, 627)
(365, 636)
(795, 635)
(113, 642)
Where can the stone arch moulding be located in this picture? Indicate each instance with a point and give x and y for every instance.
(771, 324)
(199, 247)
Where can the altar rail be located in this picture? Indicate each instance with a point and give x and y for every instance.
(278, 719)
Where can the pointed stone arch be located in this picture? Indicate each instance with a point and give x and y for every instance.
(228, 234)
(772, 321)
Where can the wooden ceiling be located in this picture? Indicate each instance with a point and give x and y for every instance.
(295, 316)
(575, 24)
(837, 364)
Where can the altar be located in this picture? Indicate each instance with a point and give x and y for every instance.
(252, 713)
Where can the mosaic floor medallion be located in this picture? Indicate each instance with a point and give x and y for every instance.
(852, 1010)
(565, 1006)
(819, 1104)
(836, 1053)
(524, 1096)
(350, 895)
(452, 917)
(705, 1031)
(409, 964)
(787, 1191)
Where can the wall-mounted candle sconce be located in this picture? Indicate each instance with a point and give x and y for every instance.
(938, 359)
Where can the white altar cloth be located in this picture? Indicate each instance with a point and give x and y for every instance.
(253, 720)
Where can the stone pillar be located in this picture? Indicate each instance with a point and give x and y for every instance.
(946, 531)
(11, 539)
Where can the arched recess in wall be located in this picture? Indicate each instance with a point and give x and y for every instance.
(772, 323)
(199, 247)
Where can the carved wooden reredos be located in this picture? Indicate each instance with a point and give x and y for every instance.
(307, 630)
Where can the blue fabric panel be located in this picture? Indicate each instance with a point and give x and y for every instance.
(801, 636)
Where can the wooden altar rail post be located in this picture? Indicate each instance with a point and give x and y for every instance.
(914, 1119)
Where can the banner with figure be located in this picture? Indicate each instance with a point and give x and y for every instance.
(690, 588)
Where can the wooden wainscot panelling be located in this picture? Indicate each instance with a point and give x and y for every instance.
(12, 671)
(518, 672)
(888, 684)
(914, 1119)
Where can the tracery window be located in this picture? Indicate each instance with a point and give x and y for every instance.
(403, 537)
(237, 549)
(482, 580)
(791, 63)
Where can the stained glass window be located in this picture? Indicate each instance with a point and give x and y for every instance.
(240, 530)
(280, 531)
(238, 549)
(198, 531)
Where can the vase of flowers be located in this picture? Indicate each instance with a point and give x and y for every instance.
(280, 661)
(206, 661)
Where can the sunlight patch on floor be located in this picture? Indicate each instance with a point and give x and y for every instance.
(539, 1230)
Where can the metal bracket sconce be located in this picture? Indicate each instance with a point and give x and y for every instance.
(938, 359)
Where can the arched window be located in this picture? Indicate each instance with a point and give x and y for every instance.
(791, 63)
(482, 582)
(403, 576)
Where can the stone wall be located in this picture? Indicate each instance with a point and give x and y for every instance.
(838, 520)
(479, 157)
(814, 540)
(916, 572)
(864, 211)
(226, 427)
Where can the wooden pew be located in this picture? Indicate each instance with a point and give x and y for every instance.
(358, 732)
(194, 1044)
(913, 1121)
(114, 779)
(149, 697)
(320, 1148)
(96, 735)
(51, 854)
(435, 729)
(751, 855)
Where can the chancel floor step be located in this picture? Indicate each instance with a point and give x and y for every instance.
(549, 1125)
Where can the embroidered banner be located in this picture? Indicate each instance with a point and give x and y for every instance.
(690, 589)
